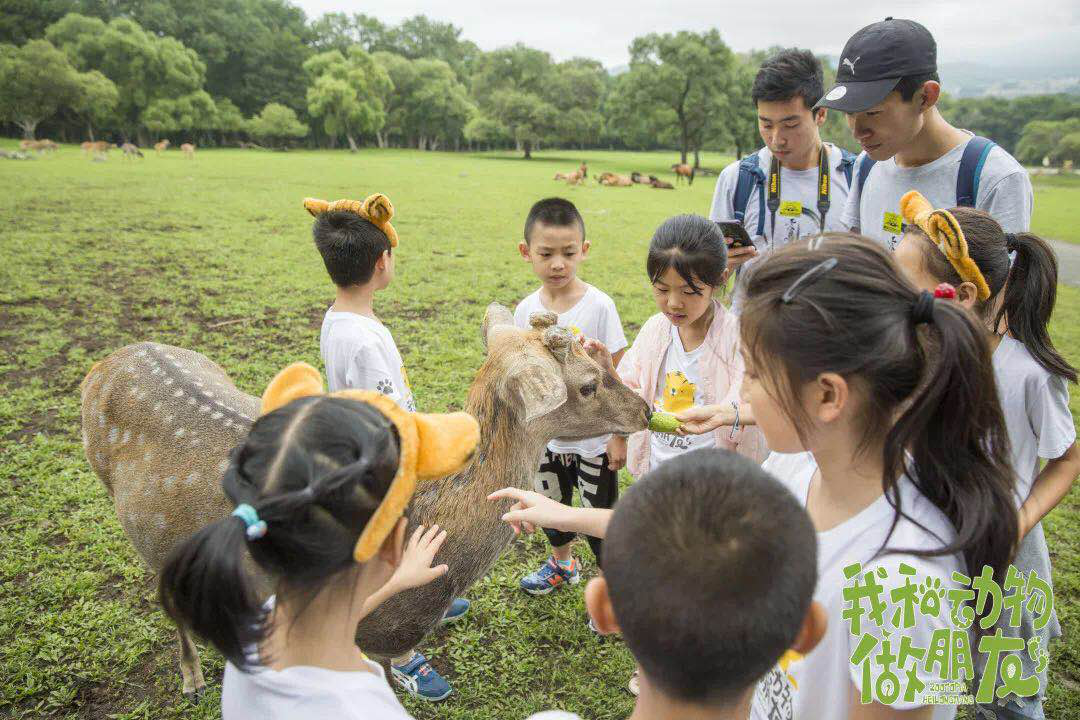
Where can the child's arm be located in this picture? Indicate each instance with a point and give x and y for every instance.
(701, 419)
(1049, 488)
(414, 569)
(534, 510)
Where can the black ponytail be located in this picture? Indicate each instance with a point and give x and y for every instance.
(925, 363)
(692, 245)
(1030, 295)
(314, 471)
(954, 431)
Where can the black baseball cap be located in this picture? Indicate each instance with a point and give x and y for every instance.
(874, 60)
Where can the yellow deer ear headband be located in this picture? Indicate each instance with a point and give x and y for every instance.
(376, 209)
(944, 231)
(432, 446)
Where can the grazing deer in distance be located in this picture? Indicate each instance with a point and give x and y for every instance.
(161, 146)
(188, 150)
(682, 170)
(131, 150)
(159, 422)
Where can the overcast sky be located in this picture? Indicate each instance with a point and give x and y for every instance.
(993, 32)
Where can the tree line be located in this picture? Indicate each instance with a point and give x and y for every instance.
(221, 72)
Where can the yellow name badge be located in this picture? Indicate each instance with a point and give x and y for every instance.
(893, 223)
(791, 208)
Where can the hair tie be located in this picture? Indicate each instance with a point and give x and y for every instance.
(923, 309)
(807, 278)
(943, 229)
(945, 291)
(255, 528)
(376, 209)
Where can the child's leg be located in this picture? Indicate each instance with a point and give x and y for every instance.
(599, 488)
(556, 480)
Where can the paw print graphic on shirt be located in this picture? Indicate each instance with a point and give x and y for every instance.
(385, 387)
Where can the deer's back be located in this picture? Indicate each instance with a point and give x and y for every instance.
(158, 425)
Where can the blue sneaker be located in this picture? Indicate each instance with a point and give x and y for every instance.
(456, 611)
(550, 576)
(421, 680)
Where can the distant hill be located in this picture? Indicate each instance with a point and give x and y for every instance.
(978, 80)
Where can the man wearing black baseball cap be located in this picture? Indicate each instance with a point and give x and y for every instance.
(887, 84)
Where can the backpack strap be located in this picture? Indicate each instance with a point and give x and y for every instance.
(750, 174)
(847, 164)
(865, 165)
(971, 165)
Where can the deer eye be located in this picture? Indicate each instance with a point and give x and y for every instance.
(588, 389)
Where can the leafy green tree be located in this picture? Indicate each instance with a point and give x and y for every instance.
(36, 81)
(347, 93)
(688, 73)
(276, 124)
(22, 20)
(510, 86)
(97, 102)
(1068, 149)
(145, 68)
(338, 31)
(576, 89)
(228, 120)
(253, 50)
(426, 106)
(192, 112)
(1043, 139)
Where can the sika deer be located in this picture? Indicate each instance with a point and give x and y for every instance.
(159, 423)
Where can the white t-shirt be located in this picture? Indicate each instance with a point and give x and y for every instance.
(594, 316)
(304, 692)
(677, 390)
(1036, 408)
(1004, 192)
(360, 354)
(820, 684)
(796, 186)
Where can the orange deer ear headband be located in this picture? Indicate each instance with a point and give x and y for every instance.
(944, 231)
(376, 209)
(431, 446)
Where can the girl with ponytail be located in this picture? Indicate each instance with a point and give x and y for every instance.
(1009, 283)
(880, 407)
(319, 486)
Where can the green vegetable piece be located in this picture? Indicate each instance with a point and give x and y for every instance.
(664, 422)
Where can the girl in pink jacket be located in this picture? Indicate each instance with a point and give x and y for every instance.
(687, 355)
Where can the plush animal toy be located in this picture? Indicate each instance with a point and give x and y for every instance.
(944, 231)
(376, 209)
(431, 446)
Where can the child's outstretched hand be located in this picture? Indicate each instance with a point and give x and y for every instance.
(533, 510)
(598, 351)
(415, 567)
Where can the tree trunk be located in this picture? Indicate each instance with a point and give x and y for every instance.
(697, 158)
(380, 139)
(90, 131)
(527, 147)
(28, 127)
(352, 142)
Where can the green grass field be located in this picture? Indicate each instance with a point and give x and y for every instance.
(1055, 207)
(215, 255)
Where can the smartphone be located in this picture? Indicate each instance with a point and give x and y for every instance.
(736, 233)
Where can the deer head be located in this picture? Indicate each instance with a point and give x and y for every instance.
(551, 385)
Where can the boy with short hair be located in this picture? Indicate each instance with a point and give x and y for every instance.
(888, 85)
(812, 177)
(709, 572)
(554, 244)
(356, 241)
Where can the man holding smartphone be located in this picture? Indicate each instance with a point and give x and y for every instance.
(797, 185)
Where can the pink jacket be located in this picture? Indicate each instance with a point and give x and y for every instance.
(721, 372)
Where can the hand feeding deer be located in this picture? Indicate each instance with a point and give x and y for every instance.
(159, 423)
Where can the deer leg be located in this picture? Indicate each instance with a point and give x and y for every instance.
(190, 669)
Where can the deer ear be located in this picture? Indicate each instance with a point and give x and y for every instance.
(446, 443)
(315, 206)
(296, 381)
(497, 319)
(539, 387)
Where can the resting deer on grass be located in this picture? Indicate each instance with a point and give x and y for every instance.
(159, 423)
(576, 177)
